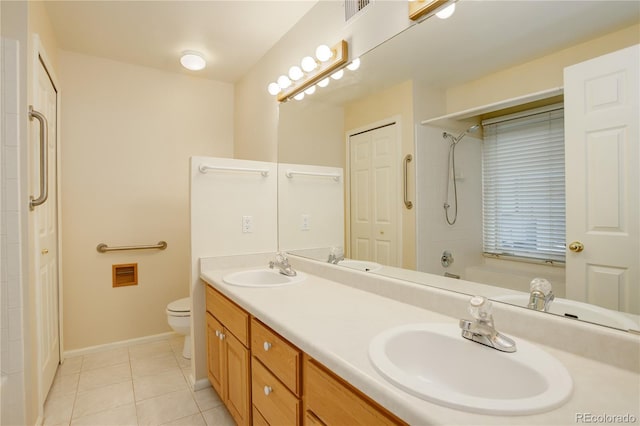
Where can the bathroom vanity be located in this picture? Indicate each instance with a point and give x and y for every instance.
(299, 353)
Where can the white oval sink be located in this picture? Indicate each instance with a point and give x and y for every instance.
(435, 363)
(360, 265)
(577, 310)
(261, 278)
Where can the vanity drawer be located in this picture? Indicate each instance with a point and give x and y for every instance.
(277, 405)
(277, 354)
(332, 401)
(233, 317)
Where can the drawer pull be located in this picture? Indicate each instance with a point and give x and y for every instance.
(266, 346)
(267, 390)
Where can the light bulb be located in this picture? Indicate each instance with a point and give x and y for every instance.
(284, 82)
(337, 75)
(192, 61)
(323, 53)
(447, 11)
(324, 82)
(299, 96)
(354, 65)
(308, 64)
(273, 88)
(311, 90)
(295, 73)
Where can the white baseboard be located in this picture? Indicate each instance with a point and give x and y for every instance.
(123, 343)
(199, 384)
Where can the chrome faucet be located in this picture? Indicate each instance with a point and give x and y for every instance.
(482, 329)
(282, 263)
(336, 254)
(541, 295)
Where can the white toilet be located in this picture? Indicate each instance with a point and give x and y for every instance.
(179, 318)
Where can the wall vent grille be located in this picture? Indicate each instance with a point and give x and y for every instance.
(352, 7)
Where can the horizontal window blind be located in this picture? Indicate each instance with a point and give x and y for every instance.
(523, 186)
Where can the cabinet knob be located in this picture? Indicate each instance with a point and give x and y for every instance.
(267, 390)
(217, 333)
(222, 336)
(266, 346)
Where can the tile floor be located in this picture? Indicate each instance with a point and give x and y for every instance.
(143, 384)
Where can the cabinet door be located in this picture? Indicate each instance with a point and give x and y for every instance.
(216, 356)
(238, 399)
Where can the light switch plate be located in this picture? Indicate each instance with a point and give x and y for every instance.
(247, 224)
(305, 224)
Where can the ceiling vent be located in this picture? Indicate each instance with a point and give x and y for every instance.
(352, 7)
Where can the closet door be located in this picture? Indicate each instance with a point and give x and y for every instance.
(374, 187)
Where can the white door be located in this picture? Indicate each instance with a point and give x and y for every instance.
(374, 186)
(46, 231)
(602, 178)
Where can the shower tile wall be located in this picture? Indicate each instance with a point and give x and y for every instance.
(464, 239)
(11, 337)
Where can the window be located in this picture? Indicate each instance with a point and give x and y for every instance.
(523, 185)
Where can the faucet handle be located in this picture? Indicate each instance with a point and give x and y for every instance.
(540, 284)
(480, 308)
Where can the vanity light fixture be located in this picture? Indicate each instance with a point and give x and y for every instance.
(419, 9)
(354, 65)
(302, 79)
(446, 12)
(192, 60)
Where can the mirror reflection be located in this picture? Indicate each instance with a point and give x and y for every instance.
(429, 136)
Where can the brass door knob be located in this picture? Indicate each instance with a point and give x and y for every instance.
(576, 246)
(45, 251)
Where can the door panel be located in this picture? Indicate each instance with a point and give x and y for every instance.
(602, 179)
(46, 225)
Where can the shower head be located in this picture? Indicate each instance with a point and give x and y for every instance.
(455, 140)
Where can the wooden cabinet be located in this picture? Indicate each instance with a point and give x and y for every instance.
(275, 383)
(228, 356)
(330, 400)
(276, 379)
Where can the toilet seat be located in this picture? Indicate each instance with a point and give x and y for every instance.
(179, 308)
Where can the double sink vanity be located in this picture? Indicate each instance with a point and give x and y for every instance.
(320, 344)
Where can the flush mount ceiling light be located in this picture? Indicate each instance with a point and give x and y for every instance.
(192, 61)
(419, 9)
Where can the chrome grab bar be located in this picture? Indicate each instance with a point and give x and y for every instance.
(103, 248)
(204, 168)
(291, 173)
(44, 158)
(408, 204)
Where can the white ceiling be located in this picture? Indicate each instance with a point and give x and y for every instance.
(481, 38)
(232, 35)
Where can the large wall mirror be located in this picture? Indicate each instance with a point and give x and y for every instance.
(376, 148)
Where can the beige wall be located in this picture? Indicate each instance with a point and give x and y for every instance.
(395, 101)
(536, 75)
(128, 133)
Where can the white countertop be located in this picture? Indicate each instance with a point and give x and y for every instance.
(334, 324)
